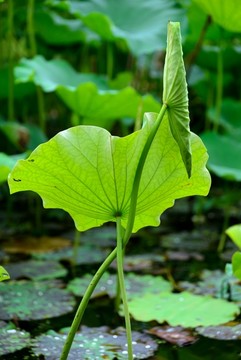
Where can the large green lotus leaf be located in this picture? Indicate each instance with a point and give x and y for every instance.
(184, 309)
(196, 21)
(136, 285)
(89, 173)
(175, 94)
(27, 300)
(57, 30)
(51, 73)
(102, 107)
(140, 24)
(226, 13)
(234, 232)
(224, 155)
(94, 343)
(12, 339)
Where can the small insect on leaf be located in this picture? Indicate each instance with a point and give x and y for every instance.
(4, 275)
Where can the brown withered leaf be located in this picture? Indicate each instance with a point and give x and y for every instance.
(176, 335)
(31, 245)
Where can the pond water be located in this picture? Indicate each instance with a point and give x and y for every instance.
(180, 251)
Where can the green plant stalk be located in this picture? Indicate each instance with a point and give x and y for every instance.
(33, 52)
(30, 28)
(110, 60)
(219, 94)
(139, 169)
(223, 235)
(131, 218)
(10, 62)
(84, 302)
(122, 287)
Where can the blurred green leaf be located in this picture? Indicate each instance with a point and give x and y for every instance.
(20, 90)
(226, 13)
(7, 163)
(234, 232)
(224, 155)
(141, 25)
(230, 119)
(103, 107)
(57, 30)
(4, 275)
(236, 263)
(50, 74)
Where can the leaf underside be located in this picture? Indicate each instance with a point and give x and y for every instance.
(89, 173)
(175, 94)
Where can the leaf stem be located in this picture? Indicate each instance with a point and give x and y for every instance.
(137, 179)
(122, 286)
(131, 218)
(32, 53)
(84, 302)
(10, 39)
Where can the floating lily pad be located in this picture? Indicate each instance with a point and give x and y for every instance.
(184, 309)
(215, 283)
(184, 240)
(95, 343)
(222, 332)
(84, 255)
(136, 285)
(140, 262)
(99, 237)
(12, 339)
(28, 300)
(36, 270)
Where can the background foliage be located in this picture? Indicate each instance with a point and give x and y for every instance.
(96, 62)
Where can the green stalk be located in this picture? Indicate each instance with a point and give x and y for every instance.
(122, 287)
(84, 302)
(139, 169)
(131, 218)
(219, 94)
(33, 52)
(30, 28)
(10, 62)
(110, 60)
